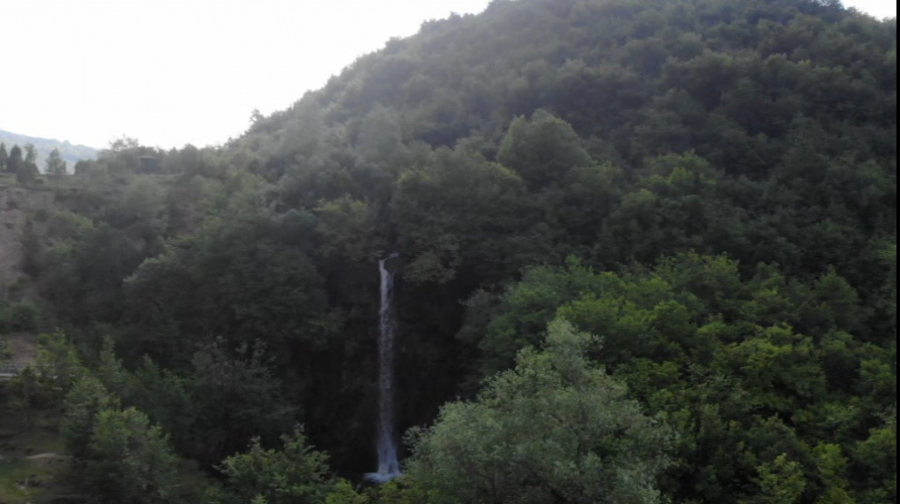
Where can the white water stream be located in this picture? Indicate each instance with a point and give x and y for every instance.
(388, 465)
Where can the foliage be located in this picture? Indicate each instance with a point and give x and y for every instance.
(55, 164)
(709, 185)
(541, 150)
(130, 461)
(554, 429)
(14, 160)
(460, 213)
(119, 456)
(713, 352)
(83, 405)
(27, 173)
(233, 396)
(18, 317)
(294, 474)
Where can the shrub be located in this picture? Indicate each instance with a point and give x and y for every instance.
(18, 317)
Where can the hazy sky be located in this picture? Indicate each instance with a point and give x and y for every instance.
(172, 72)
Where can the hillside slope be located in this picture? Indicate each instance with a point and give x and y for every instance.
(708, 186)
(627, 73)
(16, 205)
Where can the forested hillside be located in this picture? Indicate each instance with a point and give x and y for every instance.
(647, 253)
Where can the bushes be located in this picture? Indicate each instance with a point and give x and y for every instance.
(19, 317)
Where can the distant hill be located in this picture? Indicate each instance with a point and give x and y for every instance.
(70, 153)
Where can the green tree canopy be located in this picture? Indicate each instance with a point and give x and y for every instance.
(554, 429)
(294, 474)
(131, 461)
(541, 149)
(55, 164)
(15, 159)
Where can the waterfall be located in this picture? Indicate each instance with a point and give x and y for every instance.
(388, 465)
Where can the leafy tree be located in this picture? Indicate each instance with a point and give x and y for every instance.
(781, 482)
(4, 156)
(83, 405)
(380, 139)
(348, 229)
(59, 363)
(554, 429)
(131, 461)
(255, 278)
(26, 170)
(88, 276)
(888, 296)
(233, 398)
(14, 162)
(30, 153)
(27, 173)
(460, 213)
(694, 340)
(577, 210)
(542, 150)
(140, 210)
(83, 166)
(55, 164)
(876, 457)
(294, 474)
(19, 317)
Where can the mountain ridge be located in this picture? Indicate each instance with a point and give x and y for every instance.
(71, 153)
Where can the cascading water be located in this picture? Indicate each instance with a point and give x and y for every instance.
(388, 465)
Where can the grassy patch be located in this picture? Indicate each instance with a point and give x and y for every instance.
(32, 480)
(33, 465)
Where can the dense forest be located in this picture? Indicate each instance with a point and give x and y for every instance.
(647, 253)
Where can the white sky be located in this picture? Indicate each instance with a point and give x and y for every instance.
(172, 72)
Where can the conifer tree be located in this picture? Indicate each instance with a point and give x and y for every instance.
(4, 156)
(15, 159)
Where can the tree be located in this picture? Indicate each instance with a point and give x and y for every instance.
(119, 145)
(4, 156)
(30, 153)
(83, 404)
(294, 474)
(84, 166)
(254, 277)
(130, 461)
(235, 397)
(348, 230)
(27, 173)
(141, 207)
(14, 162)
(542, 150)
(461, 212)
(877, 460)
(556, 429)
(780, 481)
(59, 363)
(55, 164)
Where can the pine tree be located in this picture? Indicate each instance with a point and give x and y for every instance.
(4, 156)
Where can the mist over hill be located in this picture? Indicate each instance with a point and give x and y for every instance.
(641, 251)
